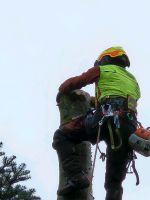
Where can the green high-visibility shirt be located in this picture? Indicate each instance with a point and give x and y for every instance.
(116, 81)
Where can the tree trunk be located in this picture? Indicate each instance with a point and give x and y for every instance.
(70, 106)
(84, 150)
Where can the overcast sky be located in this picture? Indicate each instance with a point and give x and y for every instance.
(42, 43)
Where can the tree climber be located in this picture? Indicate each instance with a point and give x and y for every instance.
(117, 93)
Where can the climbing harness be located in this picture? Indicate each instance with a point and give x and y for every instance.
(107, 112)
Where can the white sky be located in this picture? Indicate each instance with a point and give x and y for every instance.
(42, 43)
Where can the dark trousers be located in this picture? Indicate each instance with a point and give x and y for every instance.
(116, 160)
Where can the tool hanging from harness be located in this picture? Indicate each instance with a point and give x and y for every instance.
(140, 140)
(132, 168)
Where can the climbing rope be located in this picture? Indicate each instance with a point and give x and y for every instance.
(95, 154)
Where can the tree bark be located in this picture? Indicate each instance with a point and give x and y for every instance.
(84, 149)
(70, 106)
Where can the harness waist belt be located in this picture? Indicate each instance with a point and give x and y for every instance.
(116, 102)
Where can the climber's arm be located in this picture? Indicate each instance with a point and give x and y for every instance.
(80, 81)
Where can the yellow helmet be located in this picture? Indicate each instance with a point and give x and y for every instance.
(113, 52)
